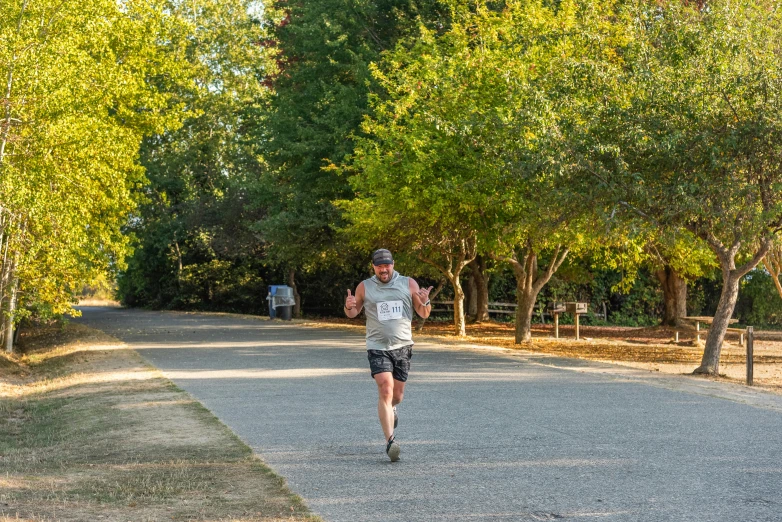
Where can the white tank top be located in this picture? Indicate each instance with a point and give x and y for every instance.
(389, 311)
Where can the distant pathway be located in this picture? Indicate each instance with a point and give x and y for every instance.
(485, 436)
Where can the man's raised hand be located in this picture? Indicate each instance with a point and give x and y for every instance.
(350, 301)
(423, 294)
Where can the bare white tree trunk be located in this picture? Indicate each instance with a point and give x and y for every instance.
(4, 220)
(7, 120)
(8, 279)
(9, 318)
(6, 274)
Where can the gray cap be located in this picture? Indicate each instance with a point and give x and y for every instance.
(382, 257)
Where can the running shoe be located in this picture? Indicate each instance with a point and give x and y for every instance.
(396, 418)
(392, 449)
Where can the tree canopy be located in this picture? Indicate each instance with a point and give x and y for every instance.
(195, 243)
(689, 139)
(84, 81)
(226, 144)
(468, 150)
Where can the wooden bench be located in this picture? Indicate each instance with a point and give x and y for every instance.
(496, 307)
(697, 320)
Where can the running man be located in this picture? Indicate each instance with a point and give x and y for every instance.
(389, 299)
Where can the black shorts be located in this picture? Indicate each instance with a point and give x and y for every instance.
(394, 361)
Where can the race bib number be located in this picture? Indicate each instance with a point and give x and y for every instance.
(388, 310)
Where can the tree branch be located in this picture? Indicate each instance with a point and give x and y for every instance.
(765, 246)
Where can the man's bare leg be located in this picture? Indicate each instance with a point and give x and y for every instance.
(385, 402)
(389, 394)
(399, 392)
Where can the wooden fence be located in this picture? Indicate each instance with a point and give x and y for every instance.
(504, 309)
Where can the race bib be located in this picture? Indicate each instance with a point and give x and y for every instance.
(388, 310)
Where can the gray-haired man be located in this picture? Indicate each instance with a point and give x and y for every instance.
(389, 299)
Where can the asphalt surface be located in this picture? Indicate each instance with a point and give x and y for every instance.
(485, 435)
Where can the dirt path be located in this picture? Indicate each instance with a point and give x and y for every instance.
(651, 349)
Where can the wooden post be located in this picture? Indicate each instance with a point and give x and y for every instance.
(556, 325)
(577, 326)
(750, 349)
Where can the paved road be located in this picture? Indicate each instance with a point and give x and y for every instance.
(485, 436)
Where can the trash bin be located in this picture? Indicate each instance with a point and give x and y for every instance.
(269, 300)
(281, 302)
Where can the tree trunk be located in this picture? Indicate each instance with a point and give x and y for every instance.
(296, 296)
(529, 283)
(478, 266)
(458, 307)
(525, 300)
(731, 276)
(455, 259)
(471, 297)
(710, 363)
(179, 261)
(7, 269)
(5, 244)
(675, 296)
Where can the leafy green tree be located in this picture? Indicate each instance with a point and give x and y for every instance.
(690, 137)
(673, 258)
(415, 173)
(83, 82)
(324, 50)
(754, 306)
(676, 259)
(195, 246)
(470, 145)
(558, 51)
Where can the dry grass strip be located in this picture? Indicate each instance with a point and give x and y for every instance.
(89, 431)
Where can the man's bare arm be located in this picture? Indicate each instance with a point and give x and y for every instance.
(354, 303)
